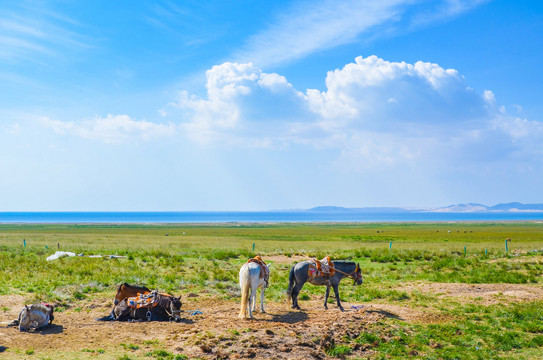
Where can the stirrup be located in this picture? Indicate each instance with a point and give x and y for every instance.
(148, 315)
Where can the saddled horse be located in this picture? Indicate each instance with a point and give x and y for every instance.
(161, 308)
(299, 275)
(126, 290)
(250, 279)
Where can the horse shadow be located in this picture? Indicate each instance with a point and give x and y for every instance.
(110, 318)
(52, 329)
(385, 313)
(292, 317)
(3, 348)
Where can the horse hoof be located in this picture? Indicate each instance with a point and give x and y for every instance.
(342, 309)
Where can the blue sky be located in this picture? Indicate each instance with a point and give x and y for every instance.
(256, 105)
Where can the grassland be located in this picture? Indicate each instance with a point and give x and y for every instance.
(393, 257)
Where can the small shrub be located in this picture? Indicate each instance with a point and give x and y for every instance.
(130, 346)
(368, 338)
(339, 351)
(160, 354)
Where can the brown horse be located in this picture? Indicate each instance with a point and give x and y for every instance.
(126, 290)
(160, 308)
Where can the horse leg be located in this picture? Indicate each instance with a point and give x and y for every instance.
(326, 297)
(293, 296)
(295, 292)
(262, 299)
(336, 292)
(252, 301)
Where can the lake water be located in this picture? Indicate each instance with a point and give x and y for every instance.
(259, 216)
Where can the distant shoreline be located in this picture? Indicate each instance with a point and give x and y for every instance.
(262, 217)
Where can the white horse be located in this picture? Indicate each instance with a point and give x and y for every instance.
(249, 281)
(35, 317)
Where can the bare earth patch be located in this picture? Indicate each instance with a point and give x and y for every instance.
(486, 293)
(281, 333)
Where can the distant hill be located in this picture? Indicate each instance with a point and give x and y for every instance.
(516, 206)
(339, 209)
(462, 208)
(470, 207)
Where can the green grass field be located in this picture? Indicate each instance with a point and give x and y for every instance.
(182, 258)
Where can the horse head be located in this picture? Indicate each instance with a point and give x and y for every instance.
(24, 319)
(357, 275)
(175, 308)
(126, 290)
(120, 293)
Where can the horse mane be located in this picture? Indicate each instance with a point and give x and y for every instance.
(133, 287)
(346, 262)
(163, 301)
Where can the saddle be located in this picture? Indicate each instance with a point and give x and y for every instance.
(264, 271)
(321, 268)
(143, 300)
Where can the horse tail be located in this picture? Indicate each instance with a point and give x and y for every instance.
(291, 280)
(245, 284)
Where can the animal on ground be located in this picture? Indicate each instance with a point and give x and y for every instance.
(299, 275)
(34, 317)
(253, 274)
(126, 290)
(153, 306)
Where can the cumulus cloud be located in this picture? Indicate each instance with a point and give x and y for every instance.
(372, 110)
(374, 93)
(242, 102)
(111, 129)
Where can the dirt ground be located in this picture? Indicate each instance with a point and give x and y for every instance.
(485, 294)
(280, 333)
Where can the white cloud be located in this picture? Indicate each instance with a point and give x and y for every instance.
(373, 112)
(309, 26)
(242, 102)
(111, 129)
(12, 129)
(420, 93)
(444, 10)
(519, 128)
(33, 33)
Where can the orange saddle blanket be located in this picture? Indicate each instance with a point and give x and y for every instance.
(143, 300)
